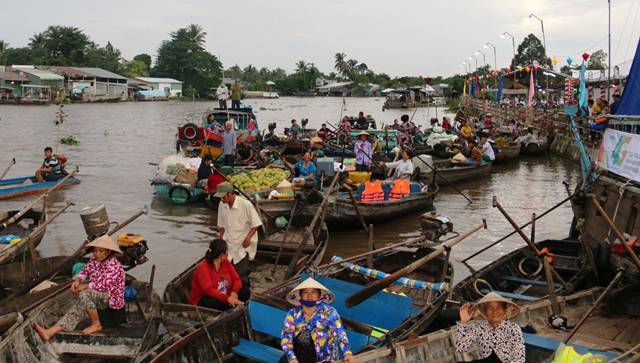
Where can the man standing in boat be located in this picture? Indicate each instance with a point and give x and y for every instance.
(238, 224)
(236, 95)
(51, 170)
(229, 142)
(222, 93)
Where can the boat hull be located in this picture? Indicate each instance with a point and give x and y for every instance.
(11, 188)
(507, 154)
(448, 175)
(179, 193)
(18, 251)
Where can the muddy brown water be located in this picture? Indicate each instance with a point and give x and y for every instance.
(117, 141)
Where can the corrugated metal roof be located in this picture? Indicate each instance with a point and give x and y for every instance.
(102, 73)
(12, 77)
(42, 74)
(158, 80)
(70, 72)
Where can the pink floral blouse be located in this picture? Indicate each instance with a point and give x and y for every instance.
(106, 276)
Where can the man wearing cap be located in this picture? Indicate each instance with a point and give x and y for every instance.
(312, 330)
(238, 224)
(363, 151)
(487, 325)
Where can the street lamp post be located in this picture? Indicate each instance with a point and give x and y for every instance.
(513, 44)
(476, 59)
(544, 39)
(495, 61)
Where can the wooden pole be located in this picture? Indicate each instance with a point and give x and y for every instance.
(616, 231)
(551, 288)
(379, 285)
(309, 231)
(522, 226)
(355, 206)
(11, 163)
(584, 317)
(370, 246)
(525, 238)
(286, 234)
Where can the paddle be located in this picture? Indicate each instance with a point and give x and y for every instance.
(380, 285)
(35, 232)
(286, 234)
(434, 170)
(355, 206)
(11, 163)
(29, 206)
(309, 230)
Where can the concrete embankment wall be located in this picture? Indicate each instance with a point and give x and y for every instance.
(567, 148)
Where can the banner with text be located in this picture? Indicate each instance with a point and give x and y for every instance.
(620, 154)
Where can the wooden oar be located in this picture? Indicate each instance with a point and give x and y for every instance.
(616, 231)
(584, 317)
(435, 175)
(551, 289)
(522, 226)
(309, 231)
(286, 234)
(74, 257)
(380, 285)
(29, 206)
(531, 245)
(35, 232)
(355, 206)
(11, 163)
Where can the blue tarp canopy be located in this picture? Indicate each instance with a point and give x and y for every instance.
(630, 99)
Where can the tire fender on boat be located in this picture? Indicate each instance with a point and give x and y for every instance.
(189, 132)
(174, 187)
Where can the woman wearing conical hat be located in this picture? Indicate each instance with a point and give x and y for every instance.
(98, 286)
(312, 330)
(486, 325)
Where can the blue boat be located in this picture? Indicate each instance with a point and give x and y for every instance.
(177, 193)
(17, 187)
(253, 333)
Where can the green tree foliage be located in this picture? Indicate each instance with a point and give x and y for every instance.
(64, 45)
(22, 55)
(144, 58)
(597, 60)
(3, 51)
(106, 57)
(529, 51)
(184, 57)
(134, 68)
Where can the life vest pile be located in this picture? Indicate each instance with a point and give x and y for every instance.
(401, 188)
(373, 192)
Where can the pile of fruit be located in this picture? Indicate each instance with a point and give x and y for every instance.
(259, 180)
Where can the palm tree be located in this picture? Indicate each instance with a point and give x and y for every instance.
(341, 65)
(37, 40)
(196, 34)
(302, 67)
(362, 68)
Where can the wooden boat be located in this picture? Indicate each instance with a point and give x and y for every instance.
(26, 224)
(177, 193)
(519, 275)
(507, 153)
(253, 332)
(533, 149)
(22, 344)
(16, 187)
(266, 274)
(608, 332)
(449, 173)
(341, 212)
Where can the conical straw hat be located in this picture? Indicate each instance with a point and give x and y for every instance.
(325, 295)
(458, 158)
(105, 242)
(512, 308)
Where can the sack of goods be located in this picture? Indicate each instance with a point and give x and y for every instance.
(178, 169)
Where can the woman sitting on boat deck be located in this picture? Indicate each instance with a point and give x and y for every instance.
(216, 284)
(99, 286)
(499, 339)
(304, 168)
(403, 167)
(312, 330)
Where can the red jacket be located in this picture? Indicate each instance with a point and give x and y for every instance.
(218, 284)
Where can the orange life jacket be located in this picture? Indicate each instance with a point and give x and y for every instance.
(372, 192)
(401, 187)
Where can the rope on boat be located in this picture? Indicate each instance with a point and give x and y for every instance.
(615, 213)
(403, 281)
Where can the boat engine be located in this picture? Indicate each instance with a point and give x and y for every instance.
(435, 225)
(134, 249)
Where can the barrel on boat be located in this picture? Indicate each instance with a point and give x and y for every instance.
(95, 220)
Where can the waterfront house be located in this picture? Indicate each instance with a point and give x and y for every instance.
(41, 85)
(11, 84)
(171, 87)
(89, 84)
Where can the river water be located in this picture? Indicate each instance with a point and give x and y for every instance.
(117, 141)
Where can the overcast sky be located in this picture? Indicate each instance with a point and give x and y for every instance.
(398, 37)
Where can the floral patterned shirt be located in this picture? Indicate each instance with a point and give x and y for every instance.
(106, 276)
(328, 335)
(505, 340)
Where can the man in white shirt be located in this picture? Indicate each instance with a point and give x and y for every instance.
(487, 150)
(238, 224)
(222, 93)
